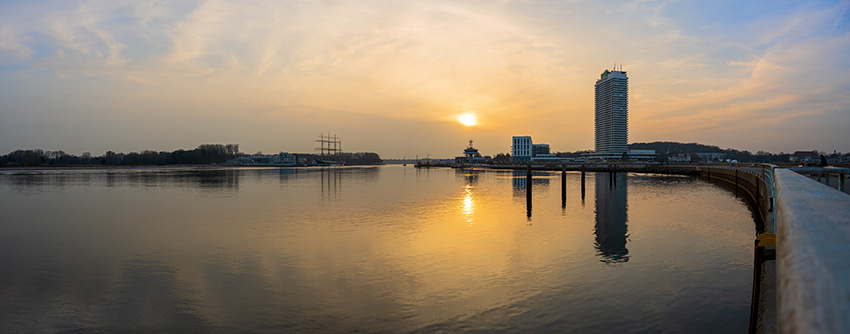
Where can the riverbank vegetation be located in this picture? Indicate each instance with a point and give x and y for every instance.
(205, 154)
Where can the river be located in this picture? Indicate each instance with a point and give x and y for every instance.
(386, 249)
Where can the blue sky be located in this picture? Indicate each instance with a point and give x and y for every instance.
(392, 77)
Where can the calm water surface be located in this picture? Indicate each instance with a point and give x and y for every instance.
(387, 249)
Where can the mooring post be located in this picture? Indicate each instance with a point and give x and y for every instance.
(826, 179)
(583, 170)
(841, 182)
(528, 191)
(563, 186)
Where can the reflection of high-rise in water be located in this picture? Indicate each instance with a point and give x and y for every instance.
(611, 217)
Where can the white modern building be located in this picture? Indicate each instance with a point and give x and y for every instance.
(612, 115)
(524, 150)
(521, 149)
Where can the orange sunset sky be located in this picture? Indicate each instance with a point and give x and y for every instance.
(393, 77)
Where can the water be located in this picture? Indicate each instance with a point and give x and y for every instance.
(387, 249)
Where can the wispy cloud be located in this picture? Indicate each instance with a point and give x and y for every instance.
(698, 71)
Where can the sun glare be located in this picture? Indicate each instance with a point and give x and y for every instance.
(468, 119)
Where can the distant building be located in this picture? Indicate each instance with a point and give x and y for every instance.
(641, 155)
(805, 156)
(521, 150)
(471, 155)
(679, 157)
(551, 159)
(524, 150)
(612, 115)
(538, 149)
(280, 159)
(711, 156)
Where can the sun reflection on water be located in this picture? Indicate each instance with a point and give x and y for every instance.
(468, 204)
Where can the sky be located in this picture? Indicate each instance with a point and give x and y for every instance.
(393, 77)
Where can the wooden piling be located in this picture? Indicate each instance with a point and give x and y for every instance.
(563, 186)
(528, 191)
(583, 172)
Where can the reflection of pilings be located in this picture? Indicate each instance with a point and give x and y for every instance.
(528, 191)
(332, 187)
(583, 172)
(563, 186)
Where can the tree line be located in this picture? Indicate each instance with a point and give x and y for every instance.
(665, 149)
(203, 154)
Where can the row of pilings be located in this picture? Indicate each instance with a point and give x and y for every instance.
(747, 181)
(611, 169)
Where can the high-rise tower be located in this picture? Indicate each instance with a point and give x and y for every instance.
(612, 114)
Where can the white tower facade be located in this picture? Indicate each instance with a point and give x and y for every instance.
(521, 149)
(612, 113)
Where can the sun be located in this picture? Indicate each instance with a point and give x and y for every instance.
(467, 119)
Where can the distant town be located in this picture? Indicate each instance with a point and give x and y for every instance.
(611, 145)
(538, 154)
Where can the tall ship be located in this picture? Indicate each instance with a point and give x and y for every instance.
(330, 150)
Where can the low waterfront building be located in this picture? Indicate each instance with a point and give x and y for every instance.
(280, 159)
(628, 155)
(538, 149)
(711, 156)
(642, 154)
(471, 156)
(551, 159)
(679, 157)
(805, 156)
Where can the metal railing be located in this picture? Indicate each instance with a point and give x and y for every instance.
(823, 173)
(768, 173)
(813, 255)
